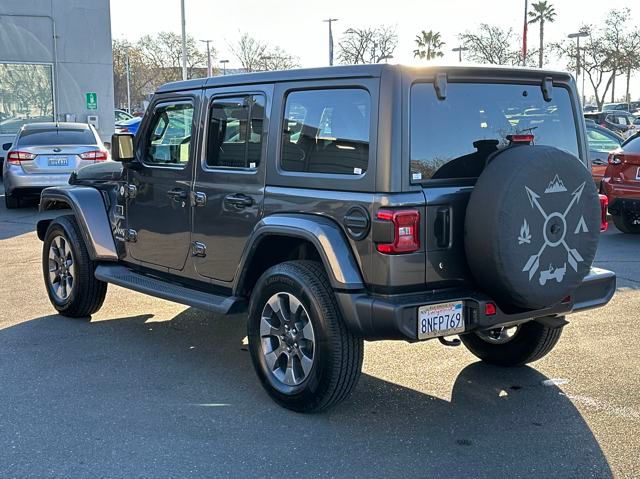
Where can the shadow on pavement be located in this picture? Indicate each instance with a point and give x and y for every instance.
(131, 397)
(22, 220)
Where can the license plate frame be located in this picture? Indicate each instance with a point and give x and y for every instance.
(432, 317)
(58, 161)
(638, 173)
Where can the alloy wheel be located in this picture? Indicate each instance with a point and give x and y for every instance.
(287, 339)
(61, 268)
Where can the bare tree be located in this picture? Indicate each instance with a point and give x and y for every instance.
(249, 52)
(491, 44)
(367, 45)
(278, 59)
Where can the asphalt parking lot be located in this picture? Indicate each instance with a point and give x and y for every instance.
(150, 389)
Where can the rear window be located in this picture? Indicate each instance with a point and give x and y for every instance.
(55, 136)
(327, 131)
(452, 138)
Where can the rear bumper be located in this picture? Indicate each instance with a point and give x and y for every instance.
(395, 317)
(625, 205)
(16, 179)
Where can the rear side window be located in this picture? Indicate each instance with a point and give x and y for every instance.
(453, 138)
(234, 138)
(600, 141)
(632, 145)
(327, 131)
(60, 136)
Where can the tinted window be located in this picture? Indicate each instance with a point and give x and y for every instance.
(55, 136)
(600, 141)
(234, 139)
(452, 138)
(169, 139)
(327, 131)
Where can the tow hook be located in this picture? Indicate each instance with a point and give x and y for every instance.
(449, 342)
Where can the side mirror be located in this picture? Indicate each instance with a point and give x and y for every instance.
(6, 146)
(122, 148)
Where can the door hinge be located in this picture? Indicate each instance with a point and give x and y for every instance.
(131, 235)
(198, 249)
(198, 198)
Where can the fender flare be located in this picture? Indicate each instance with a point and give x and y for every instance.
(90, 211)
(325, 234)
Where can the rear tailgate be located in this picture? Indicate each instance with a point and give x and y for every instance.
(452, 138)
(55, 159)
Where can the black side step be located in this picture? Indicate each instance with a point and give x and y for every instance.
(123, 276)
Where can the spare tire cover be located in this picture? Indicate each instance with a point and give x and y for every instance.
(532, 226)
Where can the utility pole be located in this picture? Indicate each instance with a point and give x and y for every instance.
(578, 36)
(128, 66)
(459, 50)
(524, 33)
(330, 22)
(184, 41)
(209, 70)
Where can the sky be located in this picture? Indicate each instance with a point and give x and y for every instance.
(296, 25)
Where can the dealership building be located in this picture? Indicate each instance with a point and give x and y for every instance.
(56, 63)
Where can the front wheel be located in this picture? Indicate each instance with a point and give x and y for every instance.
(627, 222)
(305, 357)
(514, 346)
(69, 271)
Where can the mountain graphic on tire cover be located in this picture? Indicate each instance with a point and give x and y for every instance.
(533, 216)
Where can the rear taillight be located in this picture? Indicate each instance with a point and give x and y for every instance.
(406, 227)
(604, 205)
(97, 155)
(15, 157)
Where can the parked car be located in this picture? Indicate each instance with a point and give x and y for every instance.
(590, 108)
(618, 121)
(389, 203)
(601, 142)
(129, 126)
(122, 115)
(45, 154)
(621, 184)
(631, 107)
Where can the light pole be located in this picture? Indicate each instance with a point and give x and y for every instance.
(184, 41)
(330, 22)
(209, 71)
(524, 33)
(128, 66)
(459, 50)
(578, 36)
(224, 66)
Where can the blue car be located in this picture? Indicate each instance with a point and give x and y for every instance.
(129, 126)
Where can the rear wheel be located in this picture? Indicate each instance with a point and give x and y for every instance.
(11, 201)
(513, 346)
(627, 222)
(304, 356)
(69, 272)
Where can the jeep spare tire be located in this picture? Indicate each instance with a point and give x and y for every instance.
(532, 226)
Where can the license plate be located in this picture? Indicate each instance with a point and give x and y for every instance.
(638, 174)
(442, 319)
(59, 161)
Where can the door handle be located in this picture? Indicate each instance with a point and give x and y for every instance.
(177, 194)
(239, 200)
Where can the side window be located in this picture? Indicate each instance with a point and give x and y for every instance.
(327, 131)
(601, 142)
(169, 138)
(234, 139)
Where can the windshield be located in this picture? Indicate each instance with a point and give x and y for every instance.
(452, 138)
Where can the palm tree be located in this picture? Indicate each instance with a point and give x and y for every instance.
(542, 12)
(429, 45)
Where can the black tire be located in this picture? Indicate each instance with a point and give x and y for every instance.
(11, 202)
(87, 293)
(625, 224)
(531, 342)
(338, 354)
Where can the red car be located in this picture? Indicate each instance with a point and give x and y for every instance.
(621, 184)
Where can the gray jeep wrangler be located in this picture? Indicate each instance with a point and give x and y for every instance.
(344, 204)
